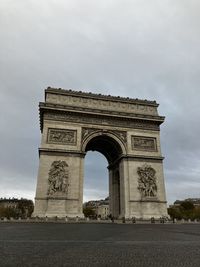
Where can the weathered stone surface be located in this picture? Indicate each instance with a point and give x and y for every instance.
(125, 131)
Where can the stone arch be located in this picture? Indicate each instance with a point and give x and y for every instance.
(126, 131)
(113, 148)
(105, 142)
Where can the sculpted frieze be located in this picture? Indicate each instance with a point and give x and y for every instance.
(96, 120)
(144, 143)
(101, 104)
(147, 181)
(58, 178)
(61, 136)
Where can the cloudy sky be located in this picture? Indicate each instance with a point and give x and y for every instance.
(147, 49)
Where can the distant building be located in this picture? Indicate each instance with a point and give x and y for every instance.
(18, 207)
(96, 203)
(194, 201)
(102, 211)
(100, 207)
(9, 202)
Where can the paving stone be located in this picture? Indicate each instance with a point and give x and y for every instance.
(50, 244)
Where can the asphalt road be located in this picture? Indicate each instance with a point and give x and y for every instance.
(57, 244)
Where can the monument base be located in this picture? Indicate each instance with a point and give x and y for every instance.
(52, 207)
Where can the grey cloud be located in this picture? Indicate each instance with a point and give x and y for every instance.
(140, 49)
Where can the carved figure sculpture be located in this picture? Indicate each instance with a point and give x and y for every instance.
(147, 181)
(58, 177)
(62, 136)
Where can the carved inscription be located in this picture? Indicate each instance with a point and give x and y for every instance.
(62, 136)
(147, 181)
(58, 177)
(87, 131)
(144, 143)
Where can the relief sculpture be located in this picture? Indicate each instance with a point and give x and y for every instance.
(62, 136)
(144, 143)
(122, 135)
(87, 131)
(58, 177)
(93, 119)
(147, 181)
(110, 103)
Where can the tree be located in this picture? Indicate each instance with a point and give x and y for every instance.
(175, 213)
(89, 212)
(25, 207)
(187, 205)
(8, 212)
(186, 210)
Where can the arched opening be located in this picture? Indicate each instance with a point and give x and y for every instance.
(95, 177)
(106, 145)
(112, 150)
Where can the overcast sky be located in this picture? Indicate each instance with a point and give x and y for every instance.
(147, 49)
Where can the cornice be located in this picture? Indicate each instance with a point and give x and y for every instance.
(144, 158)
(80, 118)
(141, 158)
(59, 107)
(50, 151)
(57, 198)
(149, 200)
(70, 92)
(63, 109)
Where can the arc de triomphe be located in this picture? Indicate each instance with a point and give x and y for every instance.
(126, 131)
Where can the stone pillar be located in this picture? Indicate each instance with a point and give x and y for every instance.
(51, 199)
(81, 183)
(110, 191)
(147, 199)
(124, 189)
(114, 192)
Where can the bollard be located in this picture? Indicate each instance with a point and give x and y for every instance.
(162, 220)
(133, 220)
(66, 219)
(46, 218)
(77, 218)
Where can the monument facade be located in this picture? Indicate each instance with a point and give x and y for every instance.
(126, 131)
